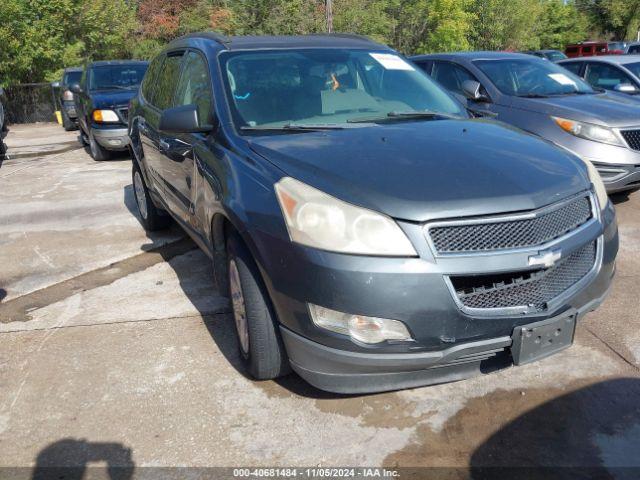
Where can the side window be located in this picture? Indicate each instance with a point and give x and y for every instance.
(195, 86)
(452, 76)
(150, 78)
(573, 67)
(634, 49)
(425, 65)
(605, 76)
(167, 81)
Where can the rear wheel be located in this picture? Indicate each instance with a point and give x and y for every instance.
(259, 340)
(151, 217)
(98, 152)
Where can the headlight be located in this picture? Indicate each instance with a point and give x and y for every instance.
(319, 220)
(105, 116)
(589, 131)
(601, 191)
(359, 327)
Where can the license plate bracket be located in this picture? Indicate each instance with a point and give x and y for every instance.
(538, 340)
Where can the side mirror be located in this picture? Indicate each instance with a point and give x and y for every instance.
(626, 88)
(75, 88)
(55, 84)
(471, 90)
(184, 119)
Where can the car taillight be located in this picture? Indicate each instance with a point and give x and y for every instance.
(67, 95)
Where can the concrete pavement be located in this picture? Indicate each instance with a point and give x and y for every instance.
(117, 344)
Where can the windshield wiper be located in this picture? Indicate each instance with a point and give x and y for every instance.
(291, 127)
(117, 87)
(408, 115)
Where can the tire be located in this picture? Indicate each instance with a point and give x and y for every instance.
(67, 123)
(151, 217)
(97, 151)
(259, 341)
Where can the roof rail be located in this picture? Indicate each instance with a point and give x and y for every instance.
(211, 35)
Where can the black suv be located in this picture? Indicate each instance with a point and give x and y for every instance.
(370, 234)
(65, 97)
(102, 102)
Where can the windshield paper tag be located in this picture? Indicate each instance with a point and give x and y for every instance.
(562, 79)
(391, 62)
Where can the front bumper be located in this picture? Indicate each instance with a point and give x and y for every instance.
(618, 178)
(111, 138)
(449, 344)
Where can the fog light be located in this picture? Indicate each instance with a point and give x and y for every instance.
(359, 327)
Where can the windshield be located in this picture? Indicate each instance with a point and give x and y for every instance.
(554, 56)
(634, 68)
(533, 77)
(328, 87)
(114, 77)
(71, 77)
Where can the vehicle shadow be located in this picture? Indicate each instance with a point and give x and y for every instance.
(620, 197)
(593, 432)
(69, 459)
(3, 294)
(194, 271)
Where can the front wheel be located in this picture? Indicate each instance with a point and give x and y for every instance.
(98, 152)
(259, 340)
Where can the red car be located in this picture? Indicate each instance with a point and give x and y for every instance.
(586, 49)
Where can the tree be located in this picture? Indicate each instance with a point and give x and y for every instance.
(560, 24)
(504, 24)
(617, 19)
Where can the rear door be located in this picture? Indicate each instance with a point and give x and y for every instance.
(187, 153)
(153, 143)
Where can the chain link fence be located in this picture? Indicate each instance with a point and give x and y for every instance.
(31, 102)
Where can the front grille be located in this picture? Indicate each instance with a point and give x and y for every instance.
(533, 289)
(124, 114)
(632, 137)
(518, 233)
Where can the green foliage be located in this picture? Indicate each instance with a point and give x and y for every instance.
(40, 37)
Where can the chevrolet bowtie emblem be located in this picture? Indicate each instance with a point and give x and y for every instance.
(546, 258)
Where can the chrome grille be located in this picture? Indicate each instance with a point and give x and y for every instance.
(515, 233)
(532, 289)
(124, 114)
(632, 137)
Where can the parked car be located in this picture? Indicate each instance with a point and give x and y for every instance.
(370, 234)
(632, 48)
(586, 49)
(3, 124)
(102, 102)
(616, 48)
(552, 55)
(619, 73)
(65, 97)
(547, 100)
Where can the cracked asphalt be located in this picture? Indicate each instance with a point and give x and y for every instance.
(115, 348)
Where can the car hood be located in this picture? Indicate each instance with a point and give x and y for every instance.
(112, 98)
(419, 171)
(606, 109)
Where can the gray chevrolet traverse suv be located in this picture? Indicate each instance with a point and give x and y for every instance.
(547, 100)
(370, 233)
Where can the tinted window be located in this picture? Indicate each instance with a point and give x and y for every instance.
(425, 65)
(634, 49)
(116, 77)
(451, 76)
(150, 78)
(572, 50)
(309, 86)
(166, 82)
(605, 76)
(531, 77)
(573, 67)
(554, 56)
(634, 67)
(71, 77)
(195, 87)
(587, 50)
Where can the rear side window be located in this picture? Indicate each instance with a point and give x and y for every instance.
(573, 67)
(167, 81)
(605, 76)
(634, 49)
(194, 87)
(587, 50)
(425, 65)
(572, 50)
(150, 78)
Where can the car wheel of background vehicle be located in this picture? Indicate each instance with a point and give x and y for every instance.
(98, 153)
(151, 217)
(261, 347)
(67, 123)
